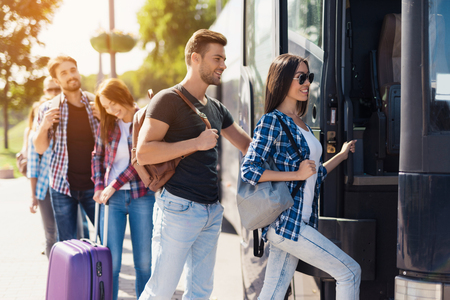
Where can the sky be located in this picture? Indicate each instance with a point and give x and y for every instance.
(76, 21)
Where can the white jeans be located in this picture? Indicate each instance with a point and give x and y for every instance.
(185, 233)
(315, 249)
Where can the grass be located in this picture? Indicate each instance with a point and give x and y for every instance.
(15, 139)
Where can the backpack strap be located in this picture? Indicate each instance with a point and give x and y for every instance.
(140, 116)
(294, 145)
(90, 96)
(138, 120)
(195, 109)
(56, 102)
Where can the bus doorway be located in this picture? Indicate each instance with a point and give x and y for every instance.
(356, 48)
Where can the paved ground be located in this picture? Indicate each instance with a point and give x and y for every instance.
(23, 270)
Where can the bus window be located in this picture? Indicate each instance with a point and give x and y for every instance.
(305, 19)
(305, 23)
(439, 46)
(259, 50)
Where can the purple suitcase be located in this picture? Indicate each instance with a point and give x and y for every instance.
(80, 269)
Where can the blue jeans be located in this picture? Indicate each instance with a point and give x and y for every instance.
(315, 249)
(185, 233)
(140, 212)
(65, 209)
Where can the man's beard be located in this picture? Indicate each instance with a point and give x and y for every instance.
(72, 88)
(208, 77)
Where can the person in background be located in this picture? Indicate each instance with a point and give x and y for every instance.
(293, 235)
(38, 173)
(39, 191)
(117, 181)
(73, 142)
(51, 89)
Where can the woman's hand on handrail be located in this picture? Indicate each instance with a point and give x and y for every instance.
(341, 156)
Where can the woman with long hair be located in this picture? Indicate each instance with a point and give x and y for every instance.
(293, 235)
(117, 181)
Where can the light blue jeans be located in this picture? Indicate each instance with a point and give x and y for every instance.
(140, 212)
(185, 233)
(315, 249)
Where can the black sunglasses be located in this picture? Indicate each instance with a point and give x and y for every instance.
(302, 78)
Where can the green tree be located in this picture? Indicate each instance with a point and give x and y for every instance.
(89, 83)
(168, 24)
(20, 75)
(141, 80)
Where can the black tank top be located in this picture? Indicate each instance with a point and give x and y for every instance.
(80, 144)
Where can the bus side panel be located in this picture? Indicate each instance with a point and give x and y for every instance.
(423, 223)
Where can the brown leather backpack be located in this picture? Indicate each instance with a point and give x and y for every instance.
(155, 176)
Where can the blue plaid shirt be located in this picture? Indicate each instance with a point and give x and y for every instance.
(39, 168)
(269, 140)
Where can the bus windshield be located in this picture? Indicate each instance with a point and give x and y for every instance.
(439, 47)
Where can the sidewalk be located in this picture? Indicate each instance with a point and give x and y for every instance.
(23, 269)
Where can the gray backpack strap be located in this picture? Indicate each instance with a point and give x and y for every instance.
(56, 101)
(90, 96)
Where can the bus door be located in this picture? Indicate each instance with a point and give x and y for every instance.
(357, 209)
(360, 100)
(368, 83)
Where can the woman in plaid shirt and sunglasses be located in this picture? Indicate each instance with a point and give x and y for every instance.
(117, 181)
(293, 234)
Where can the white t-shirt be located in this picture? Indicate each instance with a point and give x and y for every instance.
(122, 159)
(315, 150)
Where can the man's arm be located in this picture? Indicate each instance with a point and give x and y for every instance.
(151, 149)
(237, 136)
(41, 140)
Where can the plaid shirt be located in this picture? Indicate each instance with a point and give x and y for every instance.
(59, 164)
(39, 168)
(103, 160)
(270, 140)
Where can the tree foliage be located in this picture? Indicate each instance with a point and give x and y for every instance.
(89, 83)
(168, 24)
(20, 72)
(143, 79)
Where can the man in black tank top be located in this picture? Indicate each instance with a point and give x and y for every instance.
(188, 214)
(68, 120)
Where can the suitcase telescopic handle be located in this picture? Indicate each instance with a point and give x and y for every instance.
(105, 223)
(93, 244)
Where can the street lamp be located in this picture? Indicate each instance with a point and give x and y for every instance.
(111, 28)
(112, 41)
